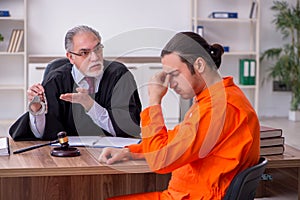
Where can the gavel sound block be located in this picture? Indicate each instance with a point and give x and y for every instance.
(64, 150)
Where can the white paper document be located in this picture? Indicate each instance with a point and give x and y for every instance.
(100, 142)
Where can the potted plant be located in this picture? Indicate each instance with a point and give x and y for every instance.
(1, 38)
(286, 65)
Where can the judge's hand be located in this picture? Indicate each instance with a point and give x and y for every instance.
(35, 90)
(82, 97)
(158, 87)
(112, 155)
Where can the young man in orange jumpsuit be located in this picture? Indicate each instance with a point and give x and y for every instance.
(218, 137)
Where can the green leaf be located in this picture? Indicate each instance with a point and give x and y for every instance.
(286, 67)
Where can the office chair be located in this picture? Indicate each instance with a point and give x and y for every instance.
(243, 186)
(54, 64)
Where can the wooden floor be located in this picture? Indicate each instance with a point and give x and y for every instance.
(283, 185)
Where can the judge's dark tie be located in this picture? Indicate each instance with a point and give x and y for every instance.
(91, 82)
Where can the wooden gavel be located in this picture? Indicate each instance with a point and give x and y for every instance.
(63, 151)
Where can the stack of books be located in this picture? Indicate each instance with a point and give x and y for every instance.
(271, 141)
(15, 41)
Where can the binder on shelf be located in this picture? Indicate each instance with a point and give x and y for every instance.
(247, 71)
(253, 9)
(4, 13)
(226, 48)
(244, 72)
(252, 72)
(200, 30)
(223, 15)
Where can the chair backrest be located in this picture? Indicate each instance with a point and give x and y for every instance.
(243, 186)
(54, 64)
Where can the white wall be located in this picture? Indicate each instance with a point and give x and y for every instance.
(137, 27)
(150, 23)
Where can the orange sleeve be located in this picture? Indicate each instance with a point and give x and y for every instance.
(166, 150)
(162, 148)
(136, 151)
(217, 125)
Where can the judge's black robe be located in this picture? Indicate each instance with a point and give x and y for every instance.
(117, 93)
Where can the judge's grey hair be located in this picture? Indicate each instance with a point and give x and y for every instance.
(78, 29)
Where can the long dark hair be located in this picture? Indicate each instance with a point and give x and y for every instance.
(189, 46)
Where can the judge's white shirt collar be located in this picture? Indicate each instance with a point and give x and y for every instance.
(79, 79)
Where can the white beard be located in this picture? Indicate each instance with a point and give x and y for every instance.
(95, 73)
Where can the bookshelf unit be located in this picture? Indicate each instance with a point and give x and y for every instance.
(240, 34)
(13, 65)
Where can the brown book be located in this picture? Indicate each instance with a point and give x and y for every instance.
(15, 40)
(11, 40)
(270, 132)
(272, 150)
(274, 141)
(19, 40)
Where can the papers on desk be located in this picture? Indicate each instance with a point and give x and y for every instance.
(4, 146)
(100, 142)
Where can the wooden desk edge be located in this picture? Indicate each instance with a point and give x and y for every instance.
(69, 171)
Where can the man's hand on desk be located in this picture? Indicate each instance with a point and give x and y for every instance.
(112, 155)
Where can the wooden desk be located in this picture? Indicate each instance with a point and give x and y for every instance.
(37, 175)
(290, 159)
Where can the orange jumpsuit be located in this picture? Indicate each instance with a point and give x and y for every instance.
(218, 138)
